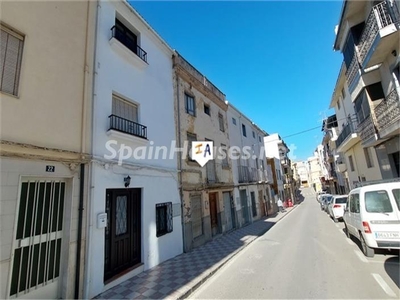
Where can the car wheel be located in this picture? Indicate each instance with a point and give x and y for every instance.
(368, 252)
(335, 220)
(346, 230)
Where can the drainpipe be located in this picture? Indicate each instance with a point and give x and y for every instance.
(178, 107)
(88, 257)
(83, 151)
(80, 221)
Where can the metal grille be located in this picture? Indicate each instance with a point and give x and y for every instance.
(39, 236)
(366, 129)
(388, 111)
(10, 61)
(120, 215)
(164, 218)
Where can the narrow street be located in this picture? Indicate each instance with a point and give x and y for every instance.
(305, 256)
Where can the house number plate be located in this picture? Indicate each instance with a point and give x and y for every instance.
(50, 168)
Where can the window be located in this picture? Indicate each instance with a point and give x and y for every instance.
(338, 104)
(254, 135)
(164, 218)
(361, 107)
(225, 163)
(206, 109)
(368, 157)
(10, 63)
(128, 38)
(124, 118)
(244, 130)
(378, 202)
(221, 122)
(396, 195)
(233, 121)
(124, 109)
(354, 203)
(259, 139)
(190, 105)
(190, 138)
(351, 163)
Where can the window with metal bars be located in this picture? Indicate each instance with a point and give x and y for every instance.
(164, 218)
(10, 60)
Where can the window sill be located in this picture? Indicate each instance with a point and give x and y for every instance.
(128, 137)
(127, 54)
(10, 95)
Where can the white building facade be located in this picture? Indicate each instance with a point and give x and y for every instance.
(274, 146)
(135, 213)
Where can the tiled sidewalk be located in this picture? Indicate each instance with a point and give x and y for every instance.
(180, 276)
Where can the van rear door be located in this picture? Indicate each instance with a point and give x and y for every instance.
(382, 211)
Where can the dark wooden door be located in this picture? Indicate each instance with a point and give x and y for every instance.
(213, 213)
(122, 234)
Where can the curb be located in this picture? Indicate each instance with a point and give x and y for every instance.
(206, 277)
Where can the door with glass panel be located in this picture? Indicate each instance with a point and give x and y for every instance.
(36, 262)
(122, 234)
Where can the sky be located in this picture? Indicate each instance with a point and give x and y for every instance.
(273, 60)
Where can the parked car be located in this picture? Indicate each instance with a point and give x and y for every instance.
(319, 194)
(372, 215)
(325, 199)
(336, 207)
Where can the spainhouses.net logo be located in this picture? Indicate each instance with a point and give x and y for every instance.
(200, 151)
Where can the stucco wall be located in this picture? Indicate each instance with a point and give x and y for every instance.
(13, 171)
(48, 109)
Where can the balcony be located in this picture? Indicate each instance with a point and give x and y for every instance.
(388, 115)
(128, 42)
(248, 174)
(380, 34)
(347, 138)
(127, 126)
(367, 132)
(353, 72)
(216, 174)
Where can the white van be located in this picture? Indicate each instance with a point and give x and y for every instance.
(372, 215)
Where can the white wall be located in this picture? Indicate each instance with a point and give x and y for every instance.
(149, 86)
(157, 187)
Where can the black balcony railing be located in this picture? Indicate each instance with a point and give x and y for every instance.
(127, 126)
(129, 42)
(347, 130)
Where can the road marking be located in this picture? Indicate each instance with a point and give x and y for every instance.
(384, 285)
(349, 241)
(360, 256)
(337, 225)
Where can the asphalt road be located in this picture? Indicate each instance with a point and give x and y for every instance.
(305, 256)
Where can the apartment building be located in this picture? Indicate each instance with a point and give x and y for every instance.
(251, 177)
(354, 162)
(333, 178)
(206, 192)
(45, 88)
(135, 214)
(315, 172)
(368, 37)
(276, 152)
